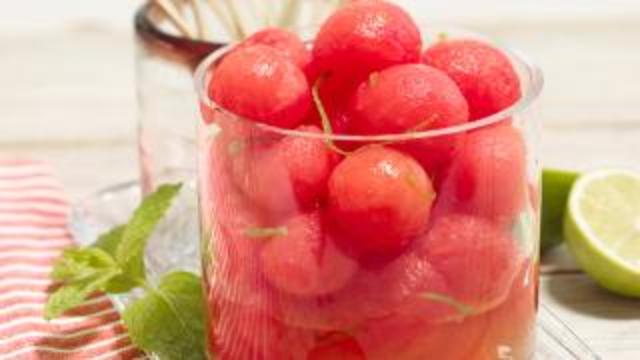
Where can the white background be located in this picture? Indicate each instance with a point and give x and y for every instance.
(38, 14)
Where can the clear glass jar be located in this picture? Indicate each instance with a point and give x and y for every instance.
(166, 115)
(282, 282)
(167, 119)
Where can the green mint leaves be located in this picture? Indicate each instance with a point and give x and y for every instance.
(83, 272)
(130, 249)
(168, 319)
(115, 263)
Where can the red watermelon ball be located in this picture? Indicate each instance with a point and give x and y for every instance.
(484, 74)
(411, 98)
(394, 289)
(477, 259)
(405, 98)
(289, 176)
(489, 176)
(365, 36)
(379, 199)
(261, 84)
(303, 262)
(285, 41)
(245, 332)
(337, 346)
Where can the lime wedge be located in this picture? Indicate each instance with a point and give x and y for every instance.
(602, 228)
(556, 185)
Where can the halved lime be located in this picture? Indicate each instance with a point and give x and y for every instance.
(602, 228)
(556, 185)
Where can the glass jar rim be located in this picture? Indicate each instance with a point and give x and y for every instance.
(530, 93)
(175, 47)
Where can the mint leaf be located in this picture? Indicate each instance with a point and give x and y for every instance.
(168, 321)
(69, 296)
(130, 249)
(77, 264)
(121, 283)
(110, 240)
(83, 272)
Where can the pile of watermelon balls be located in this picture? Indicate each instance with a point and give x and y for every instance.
(367, 72)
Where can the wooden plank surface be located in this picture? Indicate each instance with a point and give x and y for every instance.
(67, 96)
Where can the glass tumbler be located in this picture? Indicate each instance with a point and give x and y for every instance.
(421, 245)
(167, 118)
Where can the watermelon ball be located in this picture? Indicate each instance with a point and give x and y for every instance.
(484, 74)
(379, 199)
(337, 346)
(289, 176)
(406, 337)
(478, 261)
(394, 289)
(489, 175)
(366, 36)
(260, 83)
(285, 41)
(411, 98)
(302, 262)
(231, 255)
(513, 322)
(243, 332)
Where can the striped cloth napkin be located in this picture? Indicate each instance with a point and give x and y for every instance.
(33, 213)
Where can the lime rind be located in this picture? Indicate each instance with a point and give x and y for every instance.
(593, 252)
(556, 186)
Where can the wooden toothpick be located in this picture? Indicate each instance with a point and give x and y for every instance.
(222, 15)
(196, 9)
(175, 18)
(290, 13)
(235, 19)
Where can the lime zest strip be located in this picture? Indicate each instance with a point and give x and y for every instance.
(461, 308)
(266, 232)
(326, 123)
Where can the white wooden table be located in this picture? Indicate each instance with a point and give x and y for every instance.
(67, 96)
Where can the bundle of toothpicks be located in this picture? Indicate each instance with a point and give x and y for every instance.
(234, 20)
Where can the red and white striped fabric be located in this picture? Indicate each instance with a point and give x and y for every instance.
(33, 212)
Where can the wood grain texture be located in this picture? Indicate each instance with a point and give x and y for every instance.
(67, 96)
(607, 323)
(70, 86)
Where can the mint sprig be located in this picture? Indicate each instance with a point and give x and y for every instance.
(167, 319)
(83, 272)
